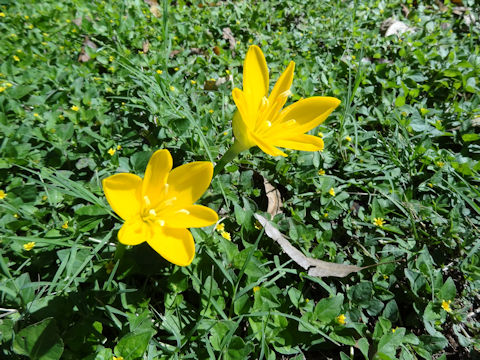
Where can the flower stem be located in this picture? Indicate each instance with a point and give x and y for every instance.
(231, 153)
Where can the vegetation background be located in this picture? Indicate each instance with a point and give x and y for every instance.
(91, 88)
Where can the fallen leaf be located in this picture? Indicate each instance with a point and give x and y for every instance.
(174, 53)
(274, 199)
(154, 8)
(228, 35)
(476, 121)
(392, 26)
(212, 85)
(197, 51)
(84, 57)
(77, 21)
(405, 10)
(216, 50)
(314, 267)
(145, 46)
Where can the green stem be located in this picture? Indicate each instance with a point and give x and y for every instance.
(231, 153)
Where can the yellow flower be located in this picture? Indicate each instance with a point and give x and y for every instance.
(440, 163)
(341, 319)
(75, 108)
(118, 358)
(111, 151)
(29, 246)
(325, 215)
(379, 221)
(16, 58)
(65, 225)
(348, 138)
(44, 197)
(193, 82)
(3, 194)
(172, 88)
(210, 111)
(321, 172)
(111, 58)
(119, 147)
(160, 207)
(395, 329)
(2, 14)
(226, 235)
(220, 227)
(320, 134)
(2, 89)
(260, 120)
(159, 72)
(331, 191)
(26, 17)
(61, 117)
(36, 115)
(256, 288)
(176, 69)
(8, 85)
(446, 305)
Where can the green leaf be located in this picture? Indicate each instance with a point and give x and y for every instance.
(329, 308)
(133, 345)
(447, 291)
(400, 101)
(39, 341)
(470, 137)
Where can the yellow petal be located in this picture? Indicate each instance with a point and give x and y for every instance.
(188, 182)
(279, 95)
(242, 106)
(192, 216)
(255, 78)
(309, 113)
(134, 232)
(267, 147)
(175, 245)
(302, 142)
(156, 175)
(123, 193)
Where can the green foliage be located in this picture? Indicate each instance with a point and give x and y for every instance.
(88, 89)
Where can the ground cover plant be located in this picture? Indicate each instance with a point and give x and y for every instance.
(89, 89)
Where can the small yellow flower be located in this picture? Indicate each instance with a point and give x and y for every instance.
(256, 288)
(111, 58)
(61, 117)
(172, 88)
(109, 267)
(29, 246)
(118, 358)
(65, 225)
(193, 82)
(111, 151)
(227, 71)
(36, 115)
(176, 68)
(321, 172)
(430, 185)
(220, 227)
(159, 72)
(395, 329)
(341, 319)
(74, 30)
(3, 194)
(353, 57)
(226, 235)
(30, 26)
(258, 225)
(385, 277)
(2, 14)
(446, 305)
(16, 58)
(26, 17)
(307, 300)
(468, 35)
(2, 89)
(160, 207)
(44, 43)
(75, 108)
(378, 222)
(44, 197)
(119, 147)
(320, 134)
(440, 163)
(225, 133)
(210, 111)
(111, 69)
(348, 138)
(16, 216)
(331, 191)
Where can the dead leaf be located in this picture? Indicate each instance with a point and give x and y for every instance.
(274, 199)
(228, 35)
(154, 8)
(213, 85)
(197, 51)
(145, 46)
(216, 50)
(392, 26)
(405, 10)
(314, 267)
(83, 57)
(77, 21)
(174, 53)
(476, 121)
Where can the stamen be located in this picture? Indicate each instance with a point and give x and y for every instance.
(147, 201)
(160, 222)
(290, 122)
(286, 93)
(152, 212)
(184, 211)
(269, 124)
(169, 201)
